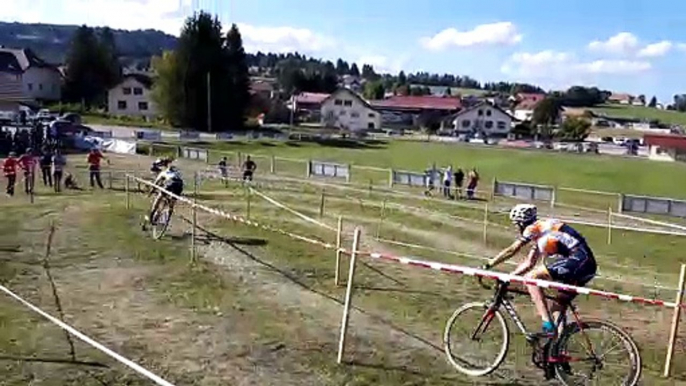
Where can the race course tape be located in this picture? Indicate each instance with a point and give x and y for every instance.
(434, 265)
(139, 369)
(233, 217)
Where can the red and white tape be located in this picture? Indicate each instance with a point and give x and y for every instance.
(456, 269)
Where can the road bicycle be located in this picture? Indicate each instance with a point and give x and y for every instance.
(161, 217)
(550, 352)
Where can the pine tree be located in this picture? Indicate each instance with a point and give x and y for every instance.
(239, 80)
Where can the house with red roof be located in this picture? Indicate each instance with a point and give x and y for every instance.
(485, 119)
(405, 110)
(666, 147)
(525, 104)
(347, 110)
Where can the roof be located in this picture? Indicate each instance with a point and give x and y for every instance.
(527, 104)
(19, 60)
(530, 96)
(311, 97)
(620, 97)
(418, 103)
(479, 105)
(143, 79)
(353, 93)
(670, 141)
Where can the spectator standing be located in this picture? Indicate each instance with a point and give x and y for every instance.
(249, 167)
(58, 163)
(429, 178)
(94, 159)
(473, 182)
(459, 180)
(45, 166)
(222, 168)
(447, 179)
(9, 169)
(27, 161)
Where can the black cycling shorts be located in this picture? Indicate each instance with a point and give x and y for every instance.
(174, 186)
(577, 269)
(247, 175)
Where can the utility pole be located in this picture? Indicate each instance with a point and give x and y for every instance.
(293, 106)
(209, 102)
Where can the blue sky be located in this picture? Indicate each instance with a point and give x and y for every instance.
(632, 46)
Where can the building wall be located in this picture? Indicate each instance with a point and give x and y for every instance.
(42, 83)
(483, 119)
(344, 110)
(523, 115)
(658, 153)
(129, 98)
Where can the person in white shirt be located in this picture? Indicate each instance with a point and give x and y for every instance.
(447, 179)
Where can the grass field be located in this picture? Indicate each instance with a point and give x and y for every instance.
(641, 112)
(261, 308)
(607, 173)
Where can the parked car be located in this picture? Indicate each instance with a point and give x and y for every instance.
(71, 117)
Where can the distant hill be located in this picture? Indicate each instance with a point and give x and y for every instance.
(51, 42)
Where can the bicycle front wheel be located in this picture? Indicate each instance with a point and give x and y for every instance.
(161, 219)
(476, 339)
(596, 353)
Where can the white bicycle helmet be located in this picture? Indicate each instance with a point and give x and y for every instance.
(523, 214)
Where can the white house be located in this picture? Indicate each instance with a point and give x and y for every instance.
(347, 110)
(131, 97)
(27, 78)
(483, 118)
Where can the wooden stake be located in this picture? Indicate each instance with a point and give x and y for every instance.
(194, 218)
(486, 223)
(675, 322)
(339, 240)
(348, 296)
(381, 217)
(247, 204)
(109, 182)
(609, 226)
(272, 165)
(126, 189)
(321, 204)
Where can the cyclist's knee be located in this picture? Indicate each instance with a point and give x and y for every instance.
(540, 273)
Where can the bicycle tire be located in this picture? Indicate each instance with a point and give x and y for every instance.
(635, 355)
(502, 353)
(159, 229)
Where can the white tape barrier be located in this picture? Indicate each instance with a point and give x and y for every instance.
(302, 216)
(649, 221)
(137, 368)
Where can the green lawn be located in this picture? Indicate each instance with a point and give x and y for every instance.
(641, 112)
(569, 170)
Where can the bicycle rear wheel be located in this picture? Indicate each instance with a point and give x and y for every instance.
(476, 331)
(161, 219)
(599, 364)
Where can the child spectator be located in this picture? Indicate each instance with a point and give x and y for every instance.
(58, 164)
(27, 161)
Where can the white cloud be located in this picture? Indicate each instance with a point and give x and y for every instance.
(284, 39)
(622, 44)
(656, 49)
(502, 33)
(564, 65)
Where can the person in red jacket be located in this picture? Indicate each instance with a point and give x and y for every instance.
(94, 158)
(9, 169)
(27, 161)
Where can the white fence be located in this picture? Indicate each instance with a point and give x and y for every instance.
(328, 169)
(653, 205)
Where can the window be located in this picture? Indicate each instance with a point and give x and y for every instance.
(342, 112)
(142, 106)
(338, 102)
(355, 114)
(127, 90)
(488, 113)
(370, 125)
(347, 103)
(502, 125)
(488, 124)
(40, 86)
(481, 112)
(371, 115)
(30, 86)
(137, 91)
(121, 105)
(466, 123)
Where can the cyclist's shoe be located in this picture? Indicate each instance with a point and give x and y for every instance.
(547, 332)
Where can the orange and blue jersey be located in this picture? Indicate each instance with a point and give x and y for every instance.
(553, 237)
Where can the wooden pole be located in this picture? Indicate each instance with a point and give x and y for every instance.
(308, 170)
(609, 226)
(675, 322)
(486, 223)
(194, 218)
(339, 240)
(348, 296)
(247, 204)
(126, 189)
(321, 204)
(390, 178)
(381, 217)
(272, 165)
(109, 182)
